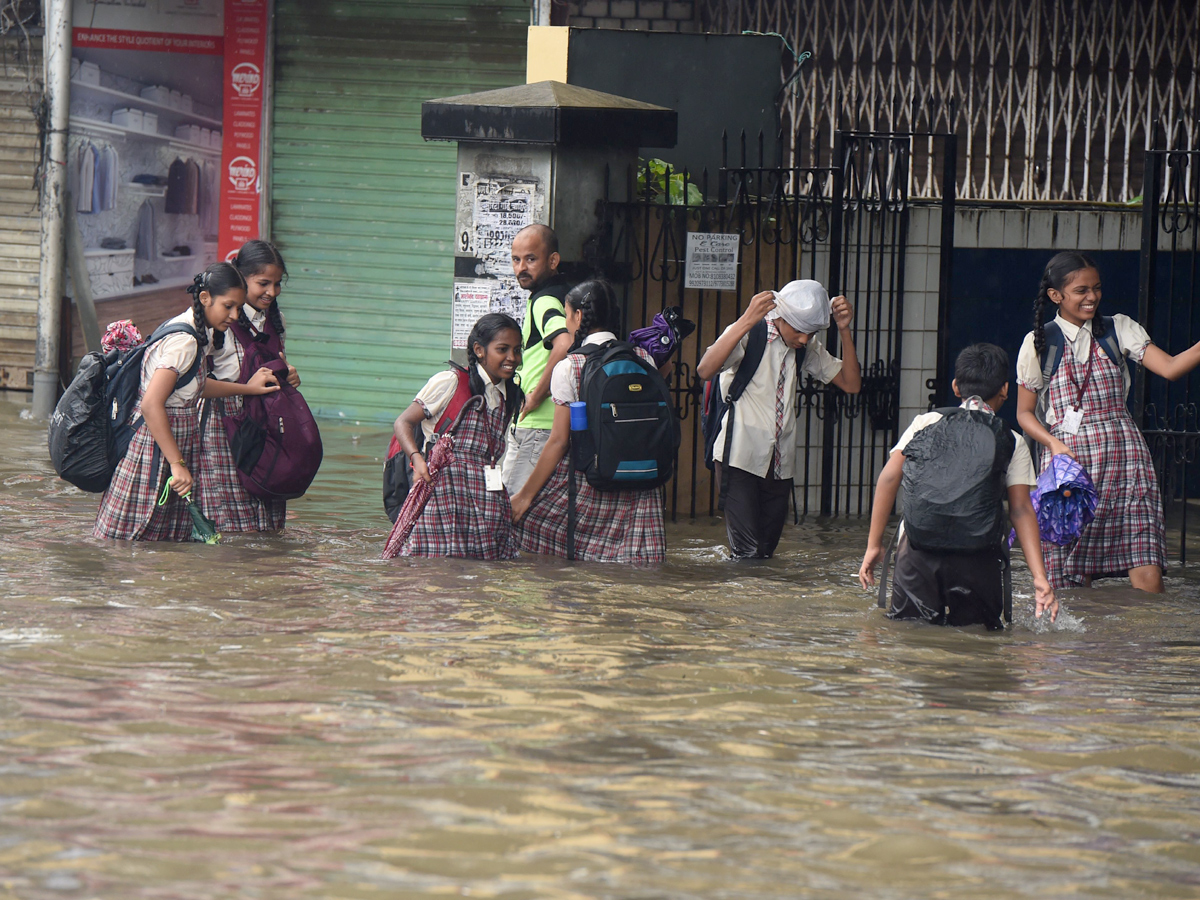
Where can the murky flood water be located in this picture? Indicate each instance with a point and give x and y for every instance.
(290, 717)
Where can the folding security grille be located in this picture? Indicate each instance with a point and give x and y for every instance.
(1051, 99)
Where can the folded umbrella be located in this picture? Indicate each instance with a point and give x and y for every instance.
(204, 529)
(1064, 500)
(663, 334)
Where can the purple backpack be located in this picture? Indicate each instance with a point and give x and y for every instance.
(274, 439)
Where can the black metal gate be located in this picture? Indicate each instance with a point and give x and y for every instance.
(789, 226)
(1168, 297)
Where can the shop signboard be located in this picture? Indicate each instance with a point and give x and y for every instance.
(245, 57)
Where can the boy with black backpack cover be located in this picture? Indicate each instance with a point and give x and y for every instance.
(957, 464)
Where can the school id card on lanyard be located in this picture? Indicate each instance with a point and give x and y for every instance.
(492, 480)
(1072, 419)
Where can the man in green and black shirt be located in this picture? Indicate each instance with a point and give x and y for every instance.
(545, 342)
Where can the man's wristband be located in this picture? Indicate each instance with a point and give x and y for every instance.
(411, 455)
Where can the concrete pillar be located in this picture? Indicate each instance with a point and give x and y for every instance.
(57, 53)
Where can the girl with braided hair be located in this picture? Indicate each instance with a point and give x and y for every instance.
(222, 496)
(1080, 410)
(468, 514)
(611, 526)
(172, 382)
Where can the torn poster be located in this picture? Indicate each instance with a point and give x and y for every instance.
(472, 300)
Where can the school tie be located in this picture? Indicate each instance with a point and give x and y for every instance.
(777, 460)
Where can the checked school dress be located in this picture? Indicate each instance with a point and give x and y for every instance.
(610, 526)
(129, 509)
(463, 518)
(222, 497)
(1128, 530)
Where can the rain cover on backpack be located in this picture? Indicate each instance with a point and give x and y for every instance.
(93, 421)
(955, 482)
(78, 436)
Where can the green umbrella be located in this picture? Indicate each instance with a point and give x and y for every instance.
(204, 529)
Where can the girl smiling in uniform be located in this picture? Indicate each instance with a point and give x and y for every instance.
(1085, 417)
(469, 513)
(222, 496)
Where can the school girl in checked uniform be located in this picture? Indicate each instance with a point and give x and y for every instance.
(222, 497)
(168, 443)
(468, 514)
(611, 526)
(1086, 417)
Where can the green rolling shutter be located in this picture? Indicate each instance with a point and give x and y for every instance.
(362, 207)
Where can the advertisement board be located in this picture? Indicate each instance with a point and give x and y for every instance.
(165, 153)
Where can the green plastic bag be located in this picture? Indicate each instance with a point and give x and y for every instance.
(204, 530)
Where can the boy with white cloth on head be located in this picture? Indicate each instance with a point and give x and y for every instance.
(762, 447)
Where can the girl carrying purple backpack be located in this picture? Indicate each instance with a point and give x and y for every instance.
(258, 453)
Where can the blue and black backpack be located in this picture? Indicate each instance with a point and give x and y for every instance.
(633, 433)
(1055, 341)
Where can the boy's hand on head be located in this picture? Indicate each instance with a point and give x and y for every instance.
(866, 572)
(760, 304)
(1045, 599)
(842, 312)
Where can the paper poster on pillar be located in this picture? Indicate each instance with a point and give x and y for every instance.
(150, 122)
(491, 210)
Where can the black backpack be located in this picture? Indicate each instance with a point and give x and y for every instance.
(633, 432)
(91, 428)
(715, 405)
(1055, 340)
(955, 482)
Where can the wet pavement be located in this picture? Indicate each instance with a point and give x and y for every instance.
(291, 717)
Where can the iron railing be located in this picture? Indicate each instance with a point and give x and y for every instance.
(1053, 100)
(789, 226)
(1168, 301)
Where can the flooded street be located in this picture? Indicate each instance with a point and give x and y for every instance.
(291, 717)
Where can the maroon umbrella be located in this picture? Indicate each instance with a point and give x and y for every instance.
(439, 457)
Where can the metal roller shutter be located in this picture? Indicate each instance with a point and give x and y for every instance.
(20, 225)
(362, 208)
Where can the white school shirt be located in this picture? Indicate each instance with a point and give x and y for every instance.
(564, 390)
(177, 352)
(1020, 467)
(1132, 338)
(227, 362)
(753, 447)
(439, 391)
